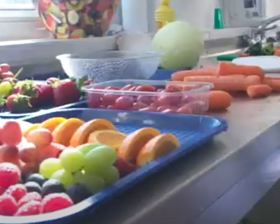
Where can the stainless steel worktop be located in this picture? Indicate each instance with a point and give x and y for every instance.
(226, 173)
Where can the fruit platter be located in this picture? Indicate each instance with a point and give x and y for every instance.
(56, 166)
(20, 97)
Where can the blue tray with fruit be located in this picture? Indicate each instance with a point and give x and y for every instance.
(143, 144)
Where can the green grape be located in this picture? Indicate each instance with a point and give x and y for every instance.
(72, 160)
(100, 158)
(86, 148)
(110, 175)
(92, 182)
(49, 166)
(5, 89)
(64, 177)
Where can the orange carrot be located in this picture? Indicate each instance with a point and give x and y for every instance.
(274, 83)
(179, 76)
(219, 100)
(227, 83)
(258, 91)
(226, 68)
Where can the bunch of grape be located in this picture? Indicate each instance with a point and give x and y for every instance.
(83, 171)
(26, 152)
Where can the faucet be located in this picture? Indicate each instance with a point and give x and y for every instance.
(259, 32)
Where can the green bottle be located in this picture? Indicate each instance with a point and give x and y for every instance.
(219, 19)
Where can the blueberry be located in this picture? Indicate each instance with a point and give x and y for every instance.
(33, 187)
(52, 186)
(38, 178)
(78, 193)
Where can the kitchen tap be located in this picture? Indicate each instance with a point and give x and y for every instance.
(260, 31)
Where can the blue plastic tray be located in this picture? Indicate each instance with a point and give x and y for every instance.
(192, 131)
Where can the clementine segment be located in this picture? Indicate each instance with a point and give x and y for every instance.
(111, 138)
(52, 123)
(81, 135)
(134, 142)
(64, 132)
(158, 147)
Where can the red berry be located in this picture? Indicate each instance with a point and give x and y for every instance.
(9, 175)
(8, 205)
(66, 92)
(11, 134)
(30, 208)
(55, 202)
(5, 67)
(33, 196)
(17, 191)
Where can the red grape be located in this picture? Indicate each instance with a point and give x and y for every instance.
(146, 88)
(124, 103)
(6, 75)
(172, 100)
(173, 88)
(145, 99)
(139, 105)
(28, 152)
(127, 87)
(5, 67)
(11, 134)
(186, 109)
(41, 137)
(109, 99)
(9, 154)
(167, 111)
(94, 100)
(112, 88)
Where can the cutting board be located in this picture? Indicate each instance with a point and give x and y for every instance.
(270, 64)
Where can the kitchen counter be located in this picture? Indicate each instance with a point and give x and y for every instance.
(232, 173)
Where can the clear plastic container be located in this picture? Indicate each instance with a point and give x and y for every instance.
(150, 96)
(110, 65)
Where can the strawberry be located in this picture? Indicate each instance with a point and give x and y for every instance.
(66, 91)
(27, 88)
(44, 95)
(18, 103)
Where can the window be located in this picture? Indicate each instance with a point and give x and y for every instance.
(18, 9)
(17, 5)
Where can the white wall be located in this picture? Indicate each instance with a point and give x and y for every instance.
(272, 8)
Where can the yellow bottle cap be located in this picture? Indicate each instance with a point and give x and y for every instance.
(164, 14)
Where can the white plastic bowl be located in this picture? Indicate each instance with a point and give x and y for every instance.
(109, 65)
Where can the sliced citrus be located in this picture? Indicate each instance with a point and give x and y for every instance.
(157, 147)
(134, 142)
(52, 123)
(81, 135)
(64, 132)
(31, 128)
(111, 138)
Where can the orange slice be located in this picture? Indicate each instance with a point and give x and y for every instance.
(31, 128)
(111, 138)
(52, 123)
(157, 147)
(134, 142)
(64, 132)
(80, 137)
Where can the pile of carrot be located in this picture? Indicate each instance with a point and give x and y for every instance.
(228, 77)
